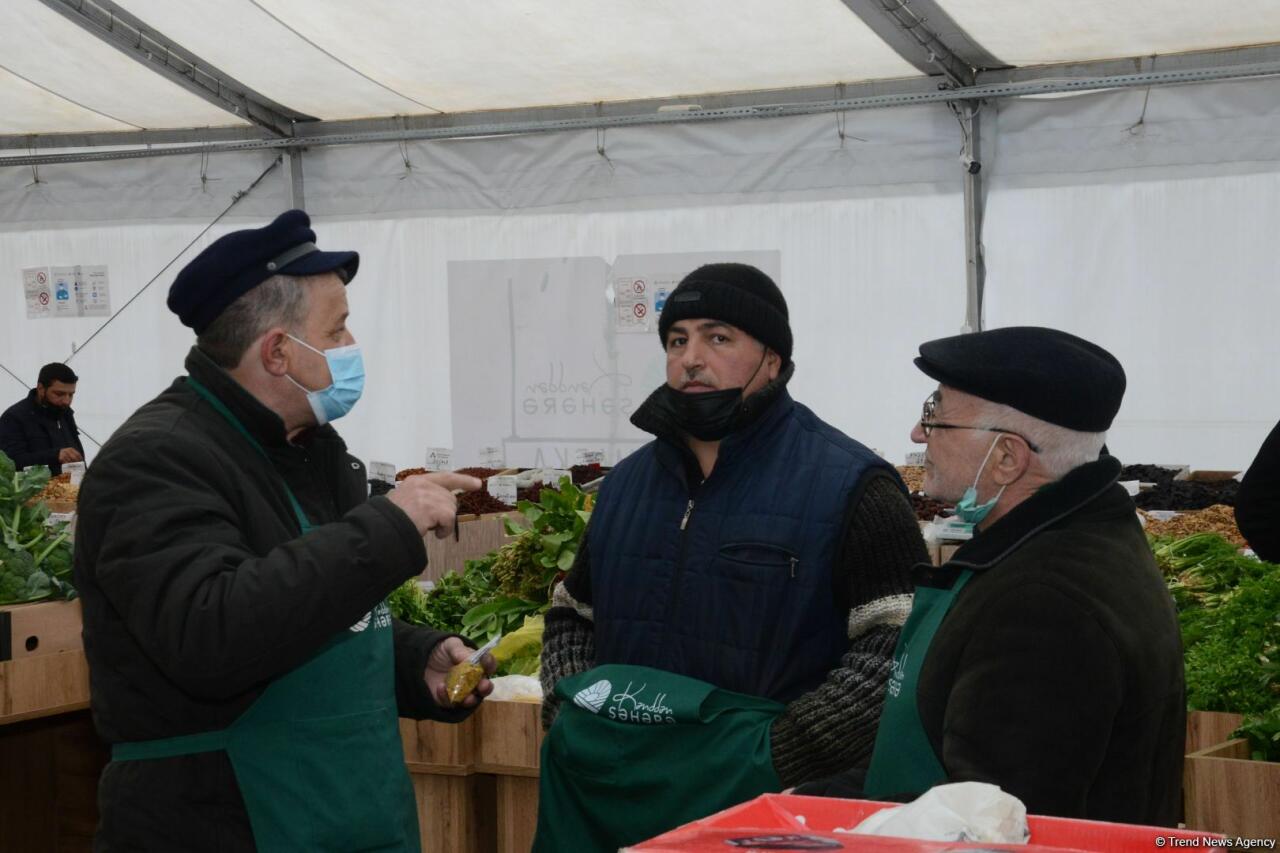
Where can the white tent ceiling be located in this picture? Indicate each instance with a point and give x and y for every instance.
(296, 67)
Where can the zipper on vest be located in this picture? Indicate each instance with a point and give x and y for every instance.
(674, 600)
(688, 511)
(794, 561)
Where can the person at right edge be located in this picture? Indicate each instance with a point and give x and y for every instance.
(1258, 501)
(1045, 656)
(726, 628)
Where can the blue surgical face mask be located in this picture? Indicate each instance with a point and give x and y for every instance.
(346, 368)
(968, 509)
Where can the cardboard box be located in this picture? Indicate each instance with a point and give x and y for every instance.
(41, 628)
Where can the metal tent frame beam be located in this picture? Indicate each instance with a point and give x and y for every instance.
(926, 36)
(1050, 79)
(108, 22)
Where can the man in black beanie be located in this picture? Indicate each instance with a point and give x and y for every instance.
(727, 625)
(1045, 656)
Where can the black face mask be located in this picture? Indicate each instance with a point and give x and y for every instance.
(708, 415)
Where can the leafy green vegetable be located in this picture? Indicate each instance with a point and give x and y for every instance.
(1229, 611)
(35, 561)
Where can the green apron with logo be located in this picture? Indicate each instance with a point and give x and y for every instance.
(904, 761)
(636, 751)
(317, 756)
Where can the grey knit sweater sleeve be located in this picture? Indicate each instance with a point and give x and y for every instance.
(833, 727)
(568, 637)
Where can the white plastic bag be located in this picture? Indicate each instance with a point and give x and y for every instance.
(962, 811)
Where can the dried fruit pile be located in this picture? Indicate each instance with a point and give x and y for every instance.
(927, 508)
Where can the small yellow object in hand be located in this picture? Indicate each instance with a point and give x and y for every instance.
(462, 679)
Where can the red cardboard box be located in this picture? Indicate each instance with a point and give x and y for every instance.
(788, 822)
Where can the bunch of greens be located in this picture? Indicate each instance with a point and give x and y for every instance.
(528, 567)
(1229, 612)
(505, 592)
(35, 558)
(444, 606)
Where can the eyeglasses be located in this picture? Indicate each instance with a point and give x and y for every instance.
(928, 424)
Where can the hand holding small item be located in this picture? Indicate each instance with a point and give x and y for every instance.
(458, 675)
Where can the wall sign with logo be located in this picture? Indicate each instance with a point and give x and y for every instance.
(59, 292)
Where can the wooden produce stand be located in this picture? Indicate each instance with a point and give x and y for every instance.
(476, 782)
(478, 535)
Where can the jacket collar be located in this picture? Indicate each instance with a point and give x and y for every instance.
(262, 423)
(1093, 483)
(46, 411)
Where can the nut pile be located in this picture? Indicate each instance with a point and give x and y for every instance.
(913, 476)
(1219, 519)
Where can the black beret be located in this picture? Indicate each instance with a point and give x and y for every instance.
(738, 294)
(238, 262)
(1046, 373)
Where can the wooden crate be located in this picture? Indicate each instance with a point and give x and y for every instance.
(1226, 792)
(946, 552)
(43, 685)
(42, 628)
(477, 536)
(455, 813)
(509, 738)
(1210, 728)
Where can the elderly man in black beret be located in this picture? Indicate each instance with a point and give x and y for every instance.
(727, 626)
(243, 665)
(1044, 657)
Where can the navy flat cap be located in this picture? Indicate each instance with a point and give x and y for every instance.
(238, 262)
(1046, 373)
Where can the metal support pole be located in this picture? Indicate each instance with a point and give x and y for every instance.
(293, 178)
(974, 207)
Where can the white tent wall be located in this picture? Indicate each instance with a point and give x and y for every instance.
(1119, 238)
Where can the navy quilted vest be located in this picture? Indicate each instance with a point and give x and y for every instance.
(729, 582)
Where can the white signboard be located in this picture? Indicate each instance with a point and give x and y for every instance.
(553, 363)
(439, 459)
(384, 471)
(59, 292)
(503, 488)
(38, 292)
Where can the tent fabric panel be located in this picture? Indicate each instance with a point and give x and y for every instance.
(270, 58)
(522, 53)
(43, 47)
(1038, 33)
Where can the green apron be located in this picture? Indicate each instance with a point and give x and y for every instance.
(317, 756)
(636, 751)
(904, 761)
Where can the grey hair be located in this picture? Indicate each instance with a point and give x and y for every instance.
(279, 301)
(1061, 450)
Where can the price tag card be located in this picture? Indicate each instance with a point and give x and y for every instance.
(492, 457)
(503, 488)
(439, 459)
(916, 458)
(384, 471)
(588, 456)
(76, 470)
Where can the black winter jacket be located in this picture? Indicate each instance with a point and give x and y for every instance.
(32, 434)
(1258, 502)
(198, 590)
(1057, 674)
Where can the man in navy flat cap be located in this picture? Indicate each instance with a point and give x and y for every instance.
(243, 665)
(1045, 656)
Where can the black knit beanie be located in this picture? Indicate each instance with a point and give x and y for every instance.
(737, 294)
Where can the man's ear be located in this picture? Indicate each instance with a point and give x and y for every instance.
(1012, 459)
(273, 350)
(772, 364)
